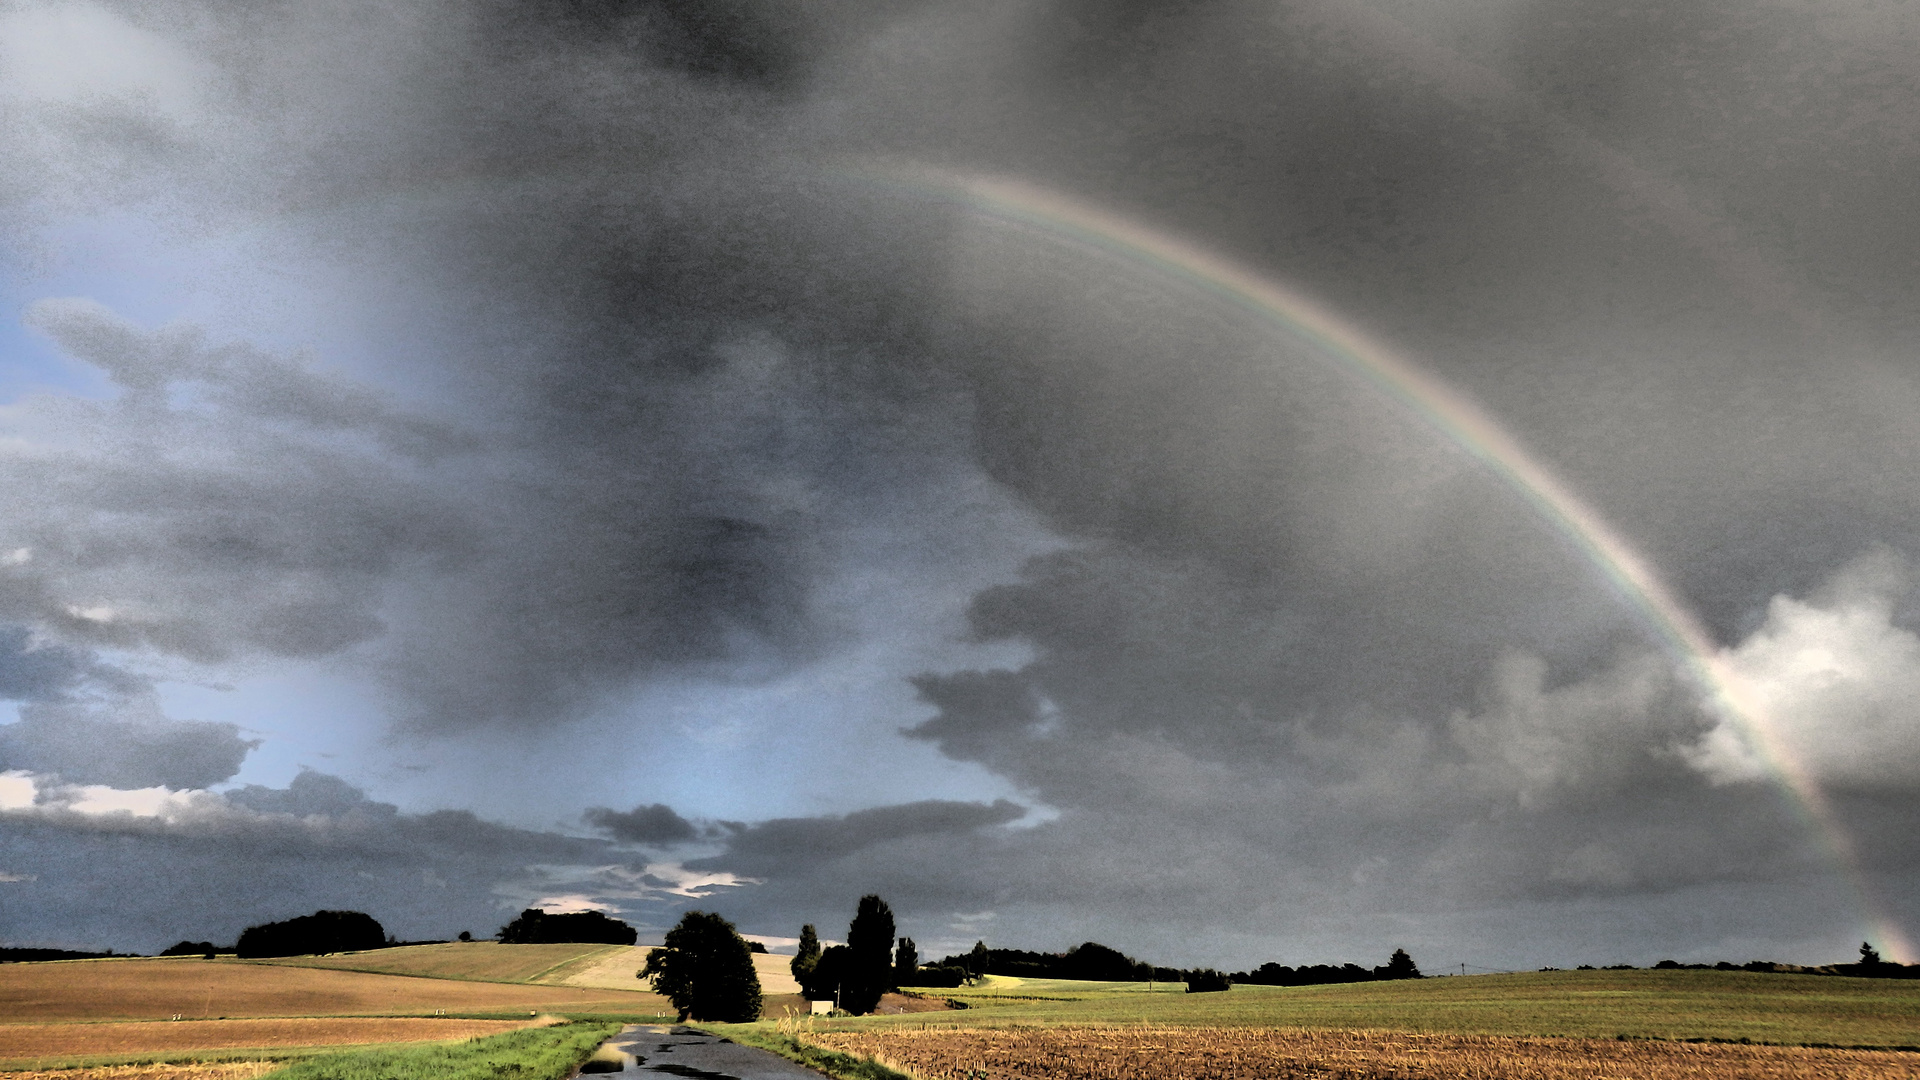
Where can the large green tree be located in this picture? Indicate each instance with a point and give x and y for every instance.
(706, 970)
(827, 977)
(869, 970)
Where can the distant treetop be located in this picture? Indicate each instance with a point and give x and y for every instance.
(320, 932)
(536, 927)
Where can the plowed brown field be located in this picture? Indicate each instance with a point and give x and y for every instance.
(225, 1070)
(1269, 1054)
(77, 1040)
(209, 989)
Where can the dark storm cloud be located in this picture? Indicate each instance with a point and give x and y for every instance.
(777, 847)
(1295, 635)
(655, 824)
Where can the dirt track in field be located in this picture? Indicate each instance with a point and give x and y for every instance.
(19, 1041)
(1269, 1054)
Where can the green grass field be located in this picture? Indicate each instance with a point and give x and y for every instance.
(473, 961)
(537, 1054)
(1711, 1005)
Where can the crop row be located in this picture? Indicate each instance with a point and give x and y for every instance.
(1138, 1053)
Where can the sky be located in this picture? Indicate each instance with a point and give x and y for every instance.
(1238, 482)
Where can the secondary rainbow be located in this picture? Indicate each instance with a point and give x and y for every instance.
(1458, 419)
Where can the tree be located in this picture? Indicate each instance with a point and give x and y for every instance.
(802, 963)
(1869, 956)
(536, 927)
(1207, 981)
(706, 971)
(1092, 960)
(869, 956)
(978, 959)
(827, 977)
(906, 963)
(1399, 966)
(320, 932)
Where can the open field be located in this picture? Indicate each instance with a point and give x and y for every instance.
(613, 967)
(33, 1041)
(1007, 989)
(97, 990)
(479, 961)
(217, 1070)
(605, 967)
(1193, 1053)
(1778, 1009)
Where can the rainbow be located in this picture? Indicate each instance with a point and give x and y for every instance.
(1456, 418)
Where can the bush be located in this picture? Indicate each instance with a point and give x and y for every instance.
(706, 970)
(320, 932)
(535, 927)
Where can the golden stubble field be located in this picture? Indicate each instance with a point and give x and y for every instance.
(26, 1041)
(221, 1070)
(159, 989)
(1240, 1053)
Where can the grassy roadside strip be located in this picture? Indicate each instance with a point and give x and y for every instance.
(175, 1057)
(765, 1036)
(534, 1054)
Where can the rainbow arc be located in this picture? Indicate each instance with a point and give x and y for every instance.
(1456, 418)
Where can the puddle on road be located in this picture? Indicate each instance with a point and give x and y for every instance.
(690, 1072)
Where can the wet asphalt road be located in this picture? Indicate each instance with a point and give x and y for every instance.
(681, 1051)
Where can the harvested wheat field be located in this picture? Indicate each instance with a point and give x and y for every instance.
(161, 1037)
(222, 1070)
(480, 961)
(84, 990)
(1268, 1054)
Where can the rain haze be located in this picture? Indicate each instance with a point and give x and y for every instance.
(1238, 482)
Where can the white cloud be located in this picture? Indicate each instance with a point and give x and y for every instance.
(17, 790)
(1835, 680)
(82, 54)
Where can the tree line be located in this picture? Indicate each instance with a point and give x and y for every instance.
(1094, 961)
(355, 931)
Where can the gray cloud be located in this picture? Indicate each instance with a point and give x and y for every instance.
(39, 671)
(654, 824)
(279, 852)
(91, 744)
(770, 847)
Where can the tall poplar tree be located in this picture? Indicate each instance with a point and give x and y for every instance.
(906, 963)
(869, 956)
(803, 961)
